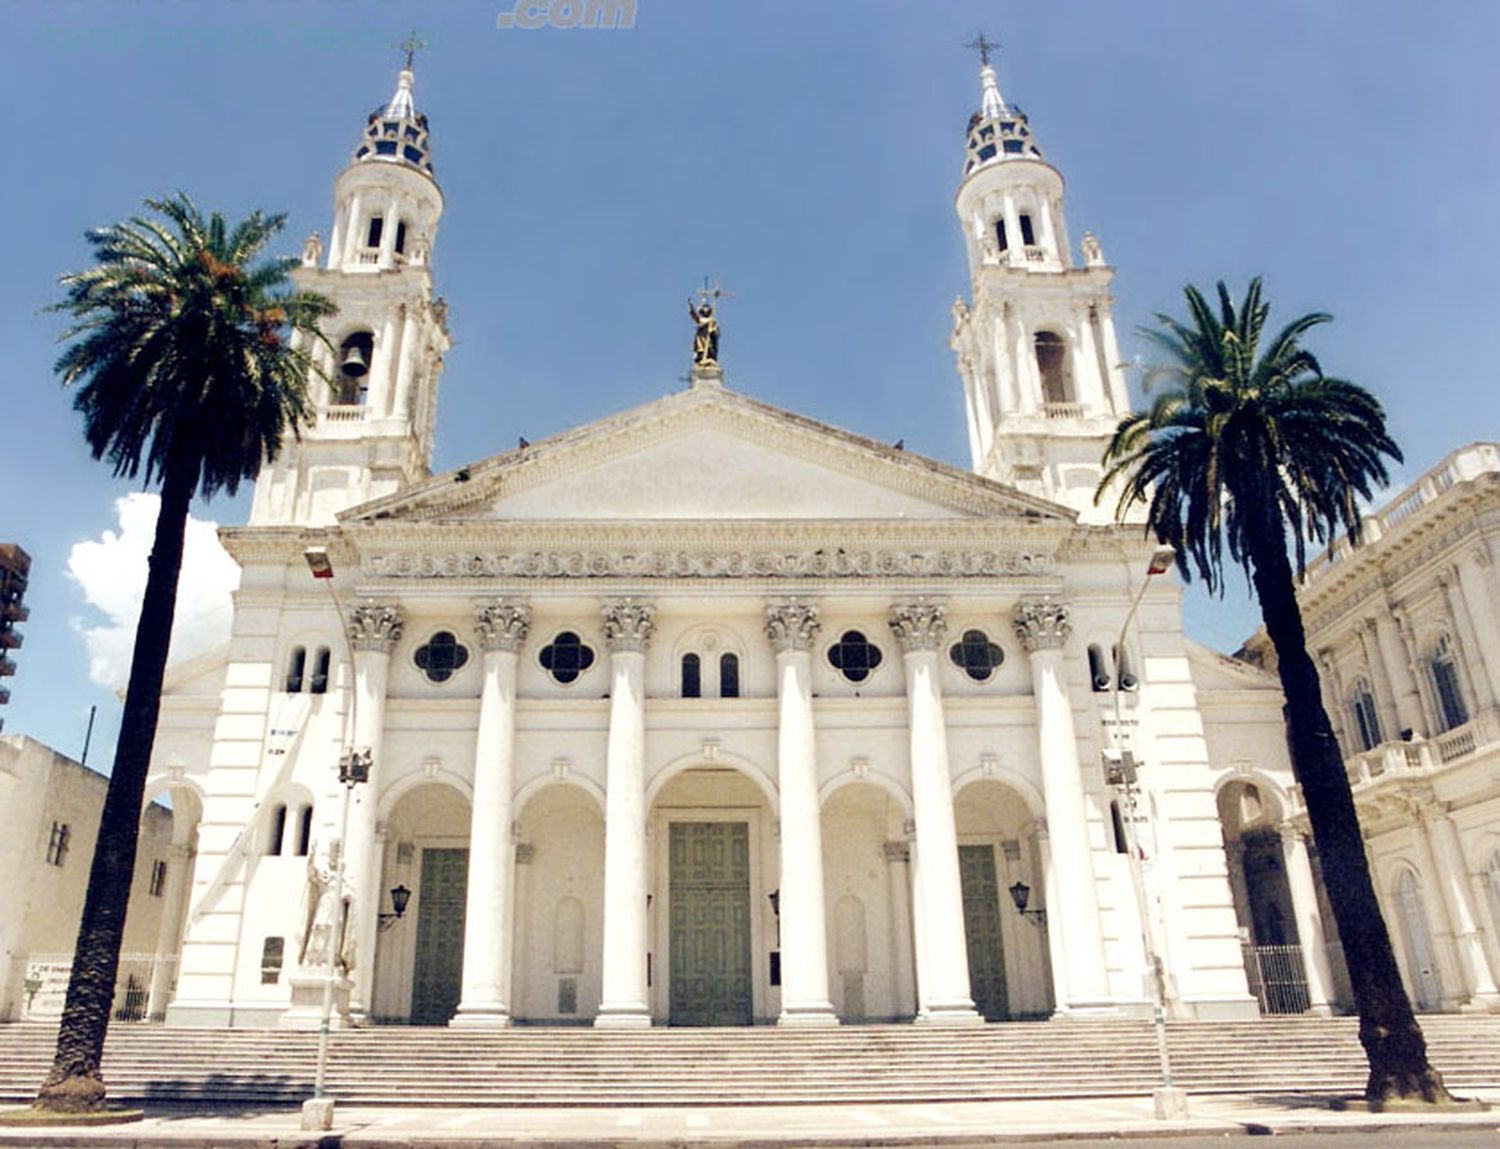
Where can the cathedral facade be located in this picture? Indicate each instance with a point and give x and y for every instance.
(833, 733)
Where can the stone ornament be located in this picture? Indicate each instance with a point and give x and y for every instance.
(375, 626)
(919, 624)
(1042, 624)
(628, 624)
(501, 625)
(792, 626)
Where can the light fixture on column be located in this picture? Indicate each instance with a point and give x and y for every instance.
(400, 896)
(1020, 893)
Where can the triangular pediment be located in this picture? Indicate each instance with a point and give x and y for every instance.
(706, 454)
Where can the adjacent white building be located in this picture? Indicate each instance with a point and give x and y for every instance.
(708, 712)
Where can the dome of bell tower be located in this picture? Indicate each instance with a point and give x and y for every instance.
(397, 133)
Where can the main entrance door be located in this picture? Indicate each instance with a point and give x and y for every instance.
(437, 974)
(710, 898)
(976, 866)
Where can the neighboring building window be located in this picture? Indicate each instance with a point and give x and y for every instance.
(304, 831)
(566, 657)
(1454, 711)
(976, 655)
(272, 954)
(57, 844)
(277, 833)
(729, 676)
(442, 657)
(1366, 721)
(854, 656)
(158, 878)
(692, 676)
(1052, 364)
(295, 666)
(319, 682)
(1099, 676)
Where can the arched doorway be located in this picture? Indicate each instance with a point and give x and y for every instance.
(710, 917)
(559, 906)
(168, 874)
(1010, 972)
(419, 958)
(1416, 936)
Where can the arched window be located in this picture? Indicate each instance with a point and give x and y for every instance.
(1366, 720)
(1123, 668)
(1001, 239)
(729, 675)
(278, 829)
(1099, 676)
(377, 228)
(854, 656)
(1052, 363)
(1453, 710)
(401, 237)
(692, 676)
(296, 665)
(304, 831)
(319, 682)
(350, 385)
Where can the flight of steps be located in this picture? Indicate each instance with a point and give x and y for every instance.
(863, 1064)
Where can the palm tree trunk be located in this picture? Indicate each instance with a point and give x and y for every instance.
(1388, 1029)
(75, 1083)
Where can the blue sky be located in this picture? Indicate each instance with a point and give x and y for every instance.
(805, 154)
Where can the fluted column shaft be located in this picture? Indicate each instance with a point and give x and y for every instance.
(1474, 575)
(1452, 879)
(488, 910)
(1043, 626)
(792, 628)
(943, 957)
(1403, 683)
(374, 629)
(1299, 878)
(627, 630)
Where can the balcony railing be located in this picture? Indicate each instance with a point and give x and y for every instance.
(1063, 410)
(345, 413)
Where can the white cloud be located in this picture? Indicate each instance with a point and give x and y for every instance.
(111, 570)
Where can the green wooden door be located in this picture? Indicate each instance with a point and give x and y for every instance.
(437, 974)
(710, 942)
(976, 866)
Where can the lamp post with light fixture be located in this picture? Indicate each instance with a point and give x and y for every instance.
(1121, 772)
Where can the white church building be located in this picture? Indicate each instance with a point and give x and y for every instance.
(818, 737)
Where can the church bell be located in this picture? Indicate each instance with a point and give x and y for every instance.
(354, 363)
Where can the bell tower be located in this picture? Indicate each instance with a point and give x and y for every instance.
(1036, 345)
(375, 413)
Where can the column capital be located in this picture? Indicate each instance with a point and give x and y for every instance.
(792, 625)
(628, 624)
(501, 624)
(919, 624)
(375, 626)
(1042, 623)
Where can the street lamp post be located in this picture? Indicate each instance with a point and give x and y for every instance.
(1120, 771)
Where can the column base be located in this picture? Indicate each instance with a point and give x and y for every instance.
(1482, 1003)
(818, 1014)
(623, 1017)
(949, 1013)
(1320, 1011)
(1091, 1009)
(485, 1015)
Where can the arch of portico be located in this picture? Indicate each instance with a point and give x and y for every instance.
(185, 797)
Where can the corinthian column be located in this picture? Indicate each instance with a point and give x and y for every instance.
(1299, 880)
(374, 629)
(943, 956)
(627, 630)
(792, 627)
(1042, 626)
(501, 629)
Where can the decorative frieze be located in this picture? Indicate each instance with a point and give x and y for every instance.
(919, 624)
(501, 625)
(726, 564)
(628, 624)
(792, 625)
(1042, 623)
(375, 626)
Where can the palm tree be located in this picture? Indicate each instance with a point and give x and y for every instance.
(188, 376)
(1258, 446)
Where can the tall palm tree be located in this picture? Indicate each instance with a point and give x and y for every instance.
(1257, 446)
(189, 377)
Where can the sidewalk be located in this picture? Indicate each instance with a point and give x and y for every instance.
(750, 1127)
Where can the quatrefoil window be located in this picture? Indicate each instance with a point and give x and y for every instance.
(442, 657)
(566, 657)
(976, 655)
(854, 656)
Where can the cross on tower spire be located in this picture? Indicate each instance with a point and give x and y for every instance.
(983, 45)
(411, 46)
